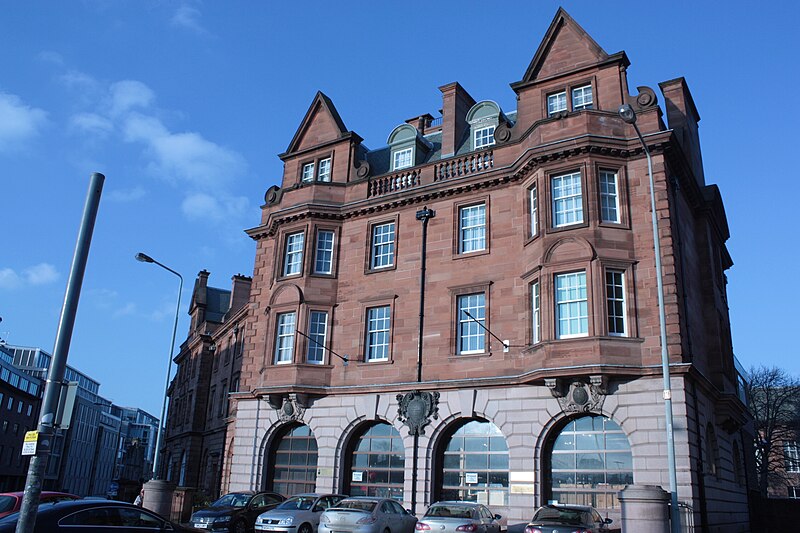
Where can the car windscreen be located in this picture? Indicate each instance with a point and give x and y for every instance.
(567, 516)
(297, 503)
(361, 505)
(449, 511)
(7, 503)
(232, 500)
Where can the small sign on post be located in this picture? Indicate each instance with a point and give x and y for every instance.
(29, 444)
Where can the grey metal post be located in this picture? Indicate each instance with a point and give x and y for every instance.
(627, 114)
(58, 365)
(159, 434)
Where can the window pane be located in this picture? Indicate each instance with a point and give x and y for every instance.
(284, 338)
(609, 197)
(293, 255)
(534, 206)
(615, 299)
(572, 313)
(536, 324)
(308, 172)
(323, 260)
(382, 245)
(484, 137)
(378, 323)
(471, 315)
(582, 98)
(556, 102)
(297, 453)
(402, 159)
(380, 472)
(324, 170)
(317, 329)
(567, 199)
(472, 228)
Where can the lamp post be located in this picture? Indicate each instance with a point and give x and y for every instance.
(161, 501)
(628, 115)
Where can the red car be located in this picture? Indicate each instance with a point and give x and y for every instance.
(10, 502)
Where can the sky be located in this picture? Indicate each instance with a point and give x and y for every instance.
(184, 106)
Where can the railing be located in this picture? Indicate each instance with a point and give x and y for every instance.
(473, 163)
(396, 182)
(436, 122)
(463, 166)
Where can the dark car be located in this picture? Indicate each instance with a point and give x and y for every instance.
(93, 516)
(10, 502)
(235, 512)
(567, 519)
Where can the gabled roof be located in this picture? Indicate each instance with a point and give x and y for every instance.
(321, 108)
(565, 47)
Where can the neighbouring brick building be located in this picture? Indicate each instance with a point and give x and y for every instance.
(490, 276)
(208, 363)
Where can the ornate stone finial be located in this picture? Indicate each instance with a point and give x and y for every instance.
(502, 133)
(416, 409)
(362, 169)
(579, 396)
(273, 195)
(646, 98)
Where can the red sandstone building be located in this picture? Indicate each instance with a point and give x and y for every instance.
(488, 278)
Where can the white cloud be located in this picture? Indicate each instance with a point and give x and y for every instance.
(49, 56)
(18, 122)
(9, 279)
(126, 195)
(41, 274)
(201, 206)
(75, 79)
(129, 94)
(127, 309)
(188, 17)
(92, 124)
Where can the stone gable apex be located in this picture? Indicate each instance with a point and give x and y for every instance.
(321, 124)
(566, 47)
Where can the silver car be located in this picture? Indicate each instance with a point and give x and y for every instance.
(562, 518)
(457, 517)
(299, 513)
(367, 515)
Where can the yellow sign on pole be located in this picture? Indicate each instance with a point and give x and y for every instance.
(29, 443)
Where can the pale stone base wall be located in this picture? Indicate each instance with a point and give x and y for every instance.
(526, 415)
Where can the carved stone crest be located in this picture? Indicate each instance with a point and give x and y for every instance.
(578, 396)
(416, 409)
(292, 409)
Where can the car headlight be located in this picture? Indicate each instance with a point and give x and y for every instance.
(222, 519)
(323, 518)
(287, 521)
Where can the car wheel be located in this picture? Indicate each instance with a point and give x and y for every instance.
(305, 528)
(239, 527)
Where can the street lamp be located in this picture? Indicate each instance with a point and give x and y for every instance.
(144, 258)
(628, 115)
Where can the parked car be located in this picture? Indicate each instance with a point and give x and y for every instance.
(235, 512)
(367, 515)
(567, 519)
(456, 517)
(94, 516)
(11, 501)
(299, 513)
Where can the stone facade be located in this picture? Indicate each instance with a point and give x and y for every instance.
(541, 226)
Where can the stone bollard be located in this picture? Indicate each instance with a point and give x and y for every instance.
(158, 496)
(645, 509)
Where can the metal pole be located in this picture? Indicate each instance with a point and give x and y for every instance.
(162, 421)
(673, 478)
(58, 365)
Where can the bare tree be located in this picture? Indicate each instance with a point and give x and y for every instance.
(774, 402)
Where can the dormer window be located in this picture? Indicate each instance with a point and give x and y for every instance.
(556, 103)
(308, 172)
(582, 98)
(402, 158)
(483, 118)
(484, 137)
(324, 170)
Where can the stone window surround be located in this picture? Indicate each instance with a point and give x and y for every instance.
(546, 197)
(366, 305)
(315, 162)
(334, 254)
(463, 290)
(622, 188)
(457, 206)
(305, 343)
(281, 251)
(395, 219)
(567, 88)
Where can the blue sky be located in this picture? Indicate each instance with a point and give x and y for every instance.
(184, 106)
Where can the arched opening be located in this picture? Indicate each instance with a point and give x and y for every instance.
(291, 461)
(472, 464)
(588, 462)
(375, 462)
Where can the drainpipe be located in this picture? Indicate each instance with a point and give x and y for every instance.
(424, 215)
